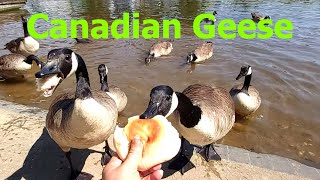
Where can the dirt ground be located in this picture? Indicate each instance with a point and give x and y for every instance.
(27, 152)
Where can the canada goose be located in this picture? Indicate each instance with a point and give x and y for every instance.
(246, 98)
(13, 64)
(82, 41)
(113, 91)
(76, 120)
(159, 49)
(204, 115)
(212, 21)
(256, 17)
(203, 52)
(23, 45)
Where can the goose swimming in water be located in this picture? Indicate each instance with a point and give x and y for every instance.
(80, 119)
(159, 49)
(207, 20)
(246, 98)
(12, 65)
(204, 114)
(201, 53)
(256, 17)
(23, 45)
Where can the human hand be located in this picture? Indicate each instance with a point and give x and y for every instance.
(117, 169)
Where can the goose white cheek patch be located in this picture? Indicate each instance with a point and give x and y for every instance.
(48, 84)
(160, 140)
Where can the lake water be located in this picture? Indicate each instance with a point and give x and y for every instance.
(286, 72)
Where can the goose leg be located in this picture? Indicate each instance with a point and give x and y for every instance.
(106, 155)
(74, 173)
(181, 163)
(209, 153)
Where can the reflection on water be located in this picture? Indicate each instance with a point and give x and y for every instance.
(284, 71)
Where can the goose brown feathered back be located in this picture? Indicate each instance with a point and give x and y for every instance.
(201, 53)
(217, 106)
(23, 45)
(159, 49)
(18, 62)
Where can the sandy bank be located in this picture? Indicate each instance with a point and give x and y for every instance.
(26, 151)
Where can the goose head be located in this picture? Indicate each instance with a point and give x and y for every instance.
(163, 101)
(34, 58)
(191, 57)
(245, 71)
(61, 64)
(103, 71)
(253, 14)
(267, 17)
(214, 13)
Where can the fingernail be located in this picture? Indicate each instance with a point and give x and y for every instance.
(137, 137)
(136, 140)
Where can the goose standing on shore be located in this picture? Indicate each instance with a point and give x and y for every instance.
(13, 65)
(201, 53)
(113, 91)
(246, 98)
(80, 119)
(204, 114)
(23, 45)
(159, 49)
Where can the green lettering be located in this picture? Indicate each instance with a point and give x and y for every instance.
(231, 27)
(74, 28)
(61, 26)
(125, 27)
(287, 27)
(263, 26)
(210, 28)
(154, 28)
(247, 25)
(31, 22)
(101, 30)
(176, 26)
(135, 25)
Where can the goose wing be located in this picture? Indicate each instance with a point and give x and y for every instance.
(204, 50)
(120, 97)
(105, 100)
(60, 111)
(10, 61)
(161, 45)
(13, 45)
(216, 104)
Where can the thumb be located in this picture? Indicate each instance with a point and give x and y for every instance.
(135, 153)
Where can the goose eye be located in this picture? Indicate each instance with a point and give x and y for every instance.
(68, 57)
(168, 98)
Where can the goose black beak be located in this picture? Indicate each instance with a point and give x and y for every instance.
(239, 76)
(48, 69)
(150, 112)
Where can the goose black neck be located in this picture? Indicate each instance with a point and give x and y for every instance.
(194, 57)
(83, 90)
(25, 28)
(34, 58)
(190, 115)
(246, 83)
(104, 83)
